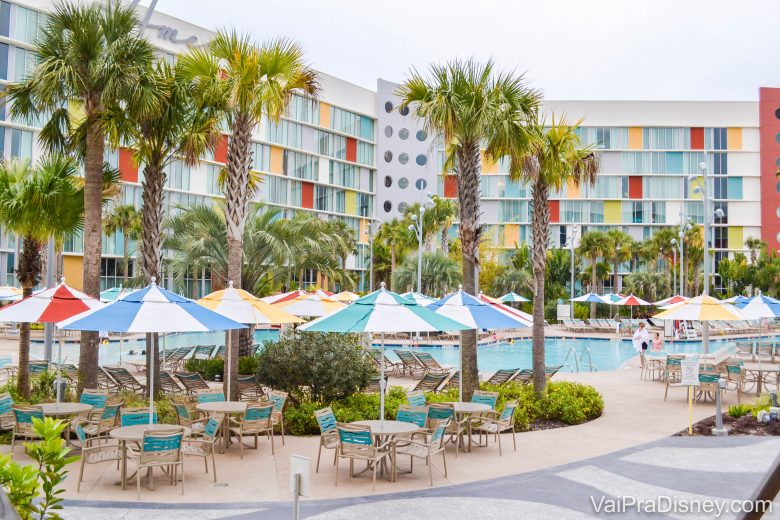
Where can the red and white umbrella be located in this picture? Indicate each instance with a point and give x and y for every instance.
(517, 313)
(671, 300)
(298, 293)
(632, 301)
(50, 306)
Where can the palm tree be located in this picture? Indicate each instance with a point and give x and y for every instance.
(244, 82)
(126, 219)
(512, 280)
(620, 250)
(663, 240)
(36, 204)
(440, 273)
(397, 237)
(344, 243)
(648, 285)
(594, 245)
(471, 105)
(444, 212)
(755, 245)
(555, 158)
(92, 54)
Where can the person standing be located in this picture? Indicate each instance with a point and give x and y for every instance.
(641, 338)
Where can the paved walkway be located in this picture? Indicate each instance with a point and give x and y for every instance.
(687, 470)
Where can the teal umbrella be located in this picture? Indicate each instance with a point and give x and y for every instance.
(380, 312)
(112, 294)
(512, 297)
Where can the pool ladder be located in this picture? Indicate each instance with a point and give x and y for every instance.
(581, 362)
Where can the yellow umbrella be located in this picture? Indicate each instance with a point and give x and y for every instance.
(345, 296)
(702, 308)
(310, 306)
(243, 307)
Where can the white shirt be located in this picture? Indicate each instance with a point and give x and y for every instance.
(641, 336)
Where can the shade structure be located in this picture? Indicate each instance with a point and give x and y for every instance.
(310, 306)
(9, 292)
(507, 309)
(761, 307)
(418, 298)
(298, 293)
(632, 301)
(155, 310)
(512, 297)
(112, 294)
(672, 300)
(50, 306)
(345, 297)
(703, 308)
(589, 298)
(612, 297)
(380, 312)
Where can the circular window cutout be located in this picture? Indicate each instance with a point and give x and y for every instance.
(421, 160)
(420, 184)
(403, 158)
(387, 206)
(403, 183)
(389, 131)
(777, 113)
(388, 107)
(422, 135)
(388, 156)
(404, 111)
(388, 181)
(403, 134)
(402, 207)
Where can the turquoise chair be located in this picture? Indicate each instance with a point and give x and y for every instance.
(91, 453)
(482, 397)
(413, 414)
(23, 425)
(329, 437)
(136, 416)
(257, 419)
(95, 398)
(160, 449)
(6, 411)
(416, 398)
(357, 443)
(205, 444)
(210, 396)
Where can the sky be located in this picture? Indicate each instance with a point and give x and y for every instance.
(571, 49)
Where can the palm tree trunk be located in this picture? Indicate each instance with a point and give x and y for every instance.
(151, 247)
(470, 230)
(93, 238)
(615, 281)
(29, 274)
(126, 257)
(392, 266)
(445, 240)
(540, 225)
(593, 282)
(239, 160)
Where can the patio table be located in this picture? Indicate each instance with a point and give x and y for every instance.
(464, 411)
(227, 408)
(135, 433)
(760, 369)
(64, 409)
(383, 430)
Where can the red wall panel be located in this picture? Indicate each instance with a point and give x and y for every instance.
(307, 195)
(451, 187)
(769, 133)
(127, 167)
(635, 187)
(220, 154)
(351, 149)
(697, 138)
(555, 211)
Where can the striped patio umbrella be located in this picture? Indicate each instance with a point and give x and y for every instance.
(10, 293)
(310, 306)
(507, 309)
(381, 312)
(112, 294)
(512, 297)
(50, 306)
(738, 299)
(589, 298)
(761, 307)
(345, 296)
(671, 300)
(419, 298)
(151, 309)
(298, 293)
(632, 301)
(612, 297)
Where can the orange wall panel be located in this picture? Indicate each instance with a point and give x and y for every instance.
(555, 211)
(697, 138)
(277, 160)
(324, 115)
(635, 138)
(635, 187)
(307, 195)
(351, 149)
(220, 154)
(127, 166)
(451, 186)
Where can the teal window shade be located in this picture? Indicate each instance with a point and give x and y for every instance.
(735, 188)
(674, 162)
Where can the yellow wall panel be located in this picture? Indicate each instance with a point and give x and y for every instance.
(692, 194)
(511, 235)
(73, 271)
(363, 237)
(573, 190)
(488, 167)
(734, 138)
(735, 237)
(324, 114)
(613, 211)
(635, 138)
(350, 202)
(277, 160)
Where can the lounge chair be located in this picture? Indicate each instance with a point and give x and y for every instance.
(376, 355)
(582, 325)
(203, 351)
(410, 363)
(744, 351)
(526, 375)
(454, 380)
(176, 360)
(430, 364)
(431, 382)
(37, 368)
(416, 398)
(192, 382)
(373, 385)
(357, 442)
(220, 353)
(124, 380)
(329, 436)
(249, 388)
(570, 325)
(503, 376)
(169, 384)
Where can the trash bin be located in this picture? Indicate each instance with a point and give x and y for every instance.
(63, 386)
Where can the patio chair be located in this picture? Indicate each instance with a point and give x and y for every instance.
(495, 424)
(422, 450)
(192, 382)
(744, 351)
(734, 375)
(101, 425)
(23, 423)
(106, 381)
(454, 380)
(431, 382)
(125, 380)
(94, 397)
(765, 351)
(249, 388)
(6, 411)
(212, 395)
(136, 416)
(169, 384)
(175, 360)
(278, 398)
(410, 363)
(708, 382)
(430, 364)
(417, 415)
(184, 417)
(503, 376)
(203, 351)
(93, 452)
(204, 444)
(439, 412)
(416, 398)
(650, 366)
(358, 443)
(160, 449)
(376, 356)
(37, 368)
(673, 372)
(329, 436)
(219, 353)
(255, 421)
(483, 397)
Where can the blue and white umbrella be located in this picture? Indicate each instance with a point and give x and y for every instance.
(761, 307)
(737, 300)
(589, 298)
(151, 310)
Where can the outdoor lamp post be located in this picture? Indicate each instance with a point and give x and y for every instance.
(574, 230)
(417, 228)
(674, 261)
(684, 226)
(370, 233)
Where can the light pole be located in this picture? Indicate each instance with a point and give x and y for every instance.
(574, 230)
(674, 262)
(417, 227)
(370, 233)
(684, 226)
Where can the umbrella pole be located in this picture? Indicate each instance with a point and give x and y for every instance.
(59, 368)
(460, 368)
(382, 380)
(229, 359)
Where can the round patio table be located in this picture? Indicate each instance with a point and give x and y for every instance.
(465, 410)
(135, 433)
(382, 430)
(227, 408)
(64, 409)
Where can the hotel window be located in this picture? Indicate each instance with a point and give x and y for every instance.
(489, 186)
(345, 121)
(695, 211)
(719, 163)
(27, 24)
(719, 139)
(21, 143)
(304, 109)
(571, 211)
(3, 61)
(295, 194)
(275, 189)
(365, 153)
(178, 176)
(720, 237)
(666, 138)
(24, 63)
(725, 218)
(345, 175)
(721, 186)
(261, 157)
(513, 210)
(5, 19)
(300, 165)
(212, 179)
(597, 212)
(662, 187)
(366, 128)
(603, 138)
(624, 187)
(364, 204)
(605, 188)
(332, 145)
(633, 212)
(658, 212)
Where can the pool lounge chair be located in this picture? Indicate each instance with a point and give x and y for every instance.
(503, 376)
(410, 363)
(430, 364)
(169, 384)
(125, 380)
(526, 375)
(176, 360)
(376, 356)
(192, 382)
(431, 382)
(373, 385)
(572, 326)
(203, 351)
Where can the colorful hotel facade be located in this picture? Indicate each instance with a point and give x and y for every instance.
(352, 155)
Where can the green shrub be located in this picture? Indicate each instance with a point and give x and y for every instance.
(763, 402)
(165, 410)
(328, 366)
(738, 410)
(210, 368)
